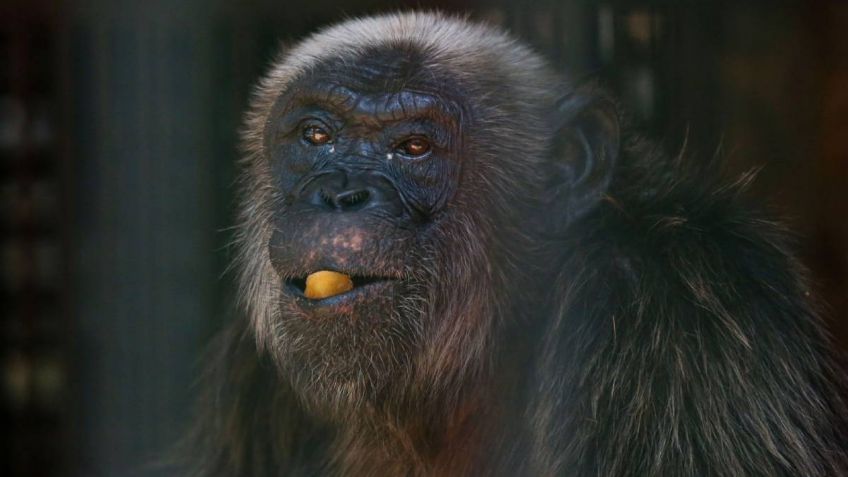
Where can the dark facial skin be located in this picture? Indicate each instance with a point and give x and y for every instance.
(367, 156)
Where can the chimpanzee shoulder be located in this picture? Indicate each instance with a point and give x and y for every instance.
(690, 344)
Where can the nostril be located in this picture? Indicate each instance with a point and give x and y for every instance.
(350, 199)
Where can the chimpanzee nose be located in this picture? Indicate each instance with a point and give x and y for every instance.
(348, 192)
(346, 200)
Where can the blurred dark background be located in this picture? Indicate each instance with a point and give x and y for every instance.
(118, 134)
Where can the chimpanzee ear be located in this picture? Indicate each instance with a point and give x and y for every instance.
(584, 151)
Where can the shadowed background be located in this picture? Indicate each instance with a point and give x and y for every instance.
(118, 135)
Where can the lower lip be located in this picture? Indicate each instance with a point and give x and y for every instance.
(359, 293)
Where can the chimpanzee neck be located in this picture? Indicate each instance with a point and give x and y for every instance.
(482, 428)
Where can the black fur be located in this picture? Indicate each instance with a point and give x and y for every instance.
(685, 342)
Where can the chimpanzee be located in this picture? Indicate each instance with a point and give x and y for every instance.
(454, 262)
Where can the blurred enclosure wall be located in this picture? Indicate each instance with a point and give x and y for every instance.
(118, 132)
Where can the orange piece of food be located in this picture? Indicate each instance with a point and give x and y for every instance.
(326, 283)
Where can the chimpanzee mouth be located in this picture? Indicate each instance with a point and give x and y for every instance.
(326, 286)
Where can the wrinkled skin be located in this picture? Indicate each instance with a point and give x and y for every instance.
(361, 205)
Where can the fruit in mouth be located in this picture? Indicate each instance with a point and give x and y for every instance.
(326, 283)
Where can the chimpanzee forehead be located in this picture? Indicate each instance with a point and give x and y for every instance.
(386, 83)
(382, 70)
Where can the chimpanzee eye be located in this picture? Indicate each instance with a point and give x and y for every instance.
(316, 135)
(413, 147)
